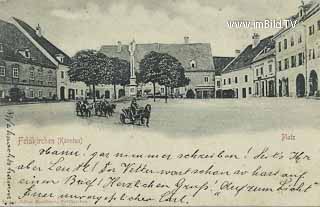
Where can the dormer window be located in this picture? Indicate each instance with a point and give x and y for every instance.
(60, 58)
(27, 53)
(193, 64)
(1, 47)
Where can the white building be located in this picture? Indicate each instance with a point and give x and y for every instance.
(296, 53)
(237, 77)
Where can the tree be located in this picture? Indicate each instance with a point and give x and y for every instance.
(117, 73)
(172, 73)
(149, 70)
(89, 66)
(163, 69)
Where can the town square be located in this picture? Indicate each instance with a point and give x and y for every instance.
(169, 85)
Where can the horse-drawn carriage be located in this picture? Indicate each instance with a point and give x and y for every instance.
(140, 117)
(101, 108)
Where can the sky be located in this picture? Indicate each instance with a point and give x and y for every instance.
(73, 25)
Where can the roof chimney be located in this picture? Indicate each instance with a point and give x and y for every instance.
(237, 52)
(38, 31)
(119, 46)
(256, 39)
(186, 40)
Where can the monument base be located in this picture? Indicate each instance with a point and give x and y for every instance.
(133, 87)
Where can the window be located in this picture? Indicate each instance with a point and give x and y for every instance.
(286, 63)
(40, 71)
(250, 90)
(224, 81)
(27, 53)
(285, 44)
(301, 58)
(279, 65)
(162, 90)
(257, 72)
(15, 72)
(76, 91)
(318, 24)
(311, 30)
(270, 68)
(62, 74)
(1, 47)
(310, 54)
(39, 94)
(206, 79)
(218, 84)
(292, 41)
(313, 54)
(60, 58)
(193, 64)
(1, 94)
(2, 71)
(246, 78)
(31, 74)
(31, 93)
(261, 70)
(81, 92)
(300, 38)
(293, 61)
(236, 79)
(229, 81)
(279, 46)
(50, 94)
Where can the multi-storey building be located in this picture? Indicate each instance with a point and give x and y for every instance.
(23, 66)
(264, 73)
(66, 90)
(220, 63)
(237, 76)
(312, 28)
(296, 54)
(196, 58)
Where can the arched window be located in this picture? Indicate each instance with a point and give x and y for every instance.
(193, 64)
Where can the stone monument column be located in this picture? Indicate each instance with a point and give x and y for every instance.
(133, 80)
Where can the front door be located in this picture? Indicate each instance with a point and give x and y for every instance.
(71, 94)
(244, 93)
(62, 93)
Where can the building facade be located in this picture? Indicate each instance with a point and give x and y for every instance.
(264, 73)
(66, 90)
(296, 54)
(196, 58)
(24, 67)
(312, 25)
(220, 63)
(238, 76)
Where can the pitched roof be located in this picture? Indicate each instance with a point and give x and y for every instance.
(246, 57)
(10, 55)
(309, 10)
(265, 53)
(199, 52)
(45, 43)
(13, 41)
(220, 63)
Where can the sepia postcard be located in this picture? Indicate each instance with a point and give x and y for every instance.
(159, 103)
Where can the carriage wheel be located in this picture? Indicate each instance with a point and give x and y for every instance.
(122, 118)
